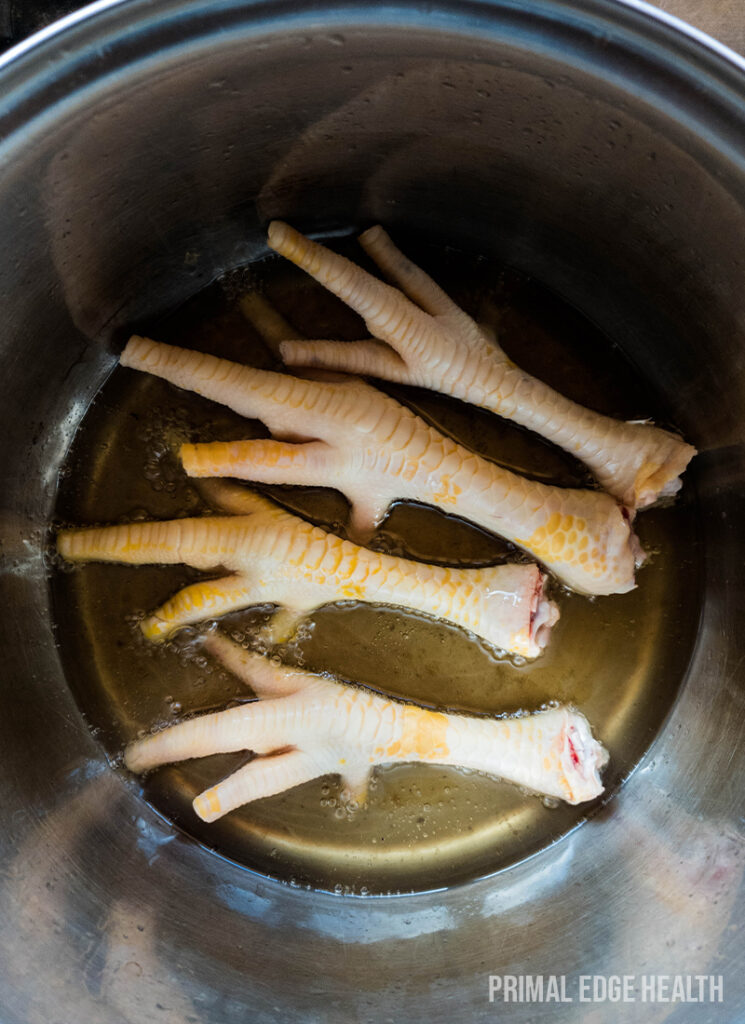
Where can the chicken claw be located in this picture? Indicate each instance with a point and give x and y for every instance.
(305, 725)
(427, 340)
(376, 451)
(279, 558)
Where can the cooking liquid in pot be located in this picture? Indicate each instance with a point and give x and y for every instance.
(618, 659)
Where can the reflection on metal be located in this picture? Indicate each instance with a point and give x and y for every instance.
(581, 148)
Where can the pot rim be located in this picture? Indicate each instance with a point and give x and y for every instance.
(21, 62)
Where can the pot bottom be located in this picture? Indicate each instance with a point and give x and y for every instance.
(619, 659)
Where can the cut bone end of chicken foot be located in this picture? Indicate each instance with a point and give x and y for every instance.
(583, 759)
(368, 444)
(311, 726)
(277, 558)
(438, 346)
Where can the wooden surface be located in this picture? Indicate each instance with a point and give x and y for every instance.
(723, 19)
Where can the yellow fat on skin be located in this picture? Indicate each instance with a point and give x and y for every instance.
(305, 725)
(376, 451)
(422, 337)
(278, 558)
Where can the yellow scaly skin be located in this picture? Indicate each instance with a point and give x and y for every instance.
(279, 558)
(376, 451)
(432, 343)
(312, 726)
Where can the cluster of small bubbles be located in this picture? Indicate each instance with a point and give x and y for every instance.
(239, 282)
(162, 435)
(31, 539)
(136, 515)
(344, 890)
(344, 807)
(133, 620)
(49, 548)
(159, 725)
(258, 644)
(116, 760)
(304, 631)
(54, 562)
(184, 645)
(388, 544)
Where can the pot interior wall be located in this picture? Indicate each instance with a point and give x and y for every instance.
(151, 185)
(577, 159)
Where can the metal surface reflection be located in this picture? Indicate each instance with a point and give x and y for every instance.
(179, 119)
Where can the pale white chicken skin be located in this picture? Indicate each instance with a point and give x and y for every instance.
(305, 726)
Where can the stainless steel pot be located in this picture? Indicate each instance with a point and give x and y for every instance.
(143, 147)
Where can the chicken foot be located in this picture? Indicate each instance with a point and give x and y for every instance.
(279, 558)
(376, 451)
(422, 337)
(304, 726)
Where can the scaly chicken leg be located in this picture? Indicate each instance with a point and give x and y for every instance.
(427, 340)
(376, 451)
(279, 558)
(304, 726)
